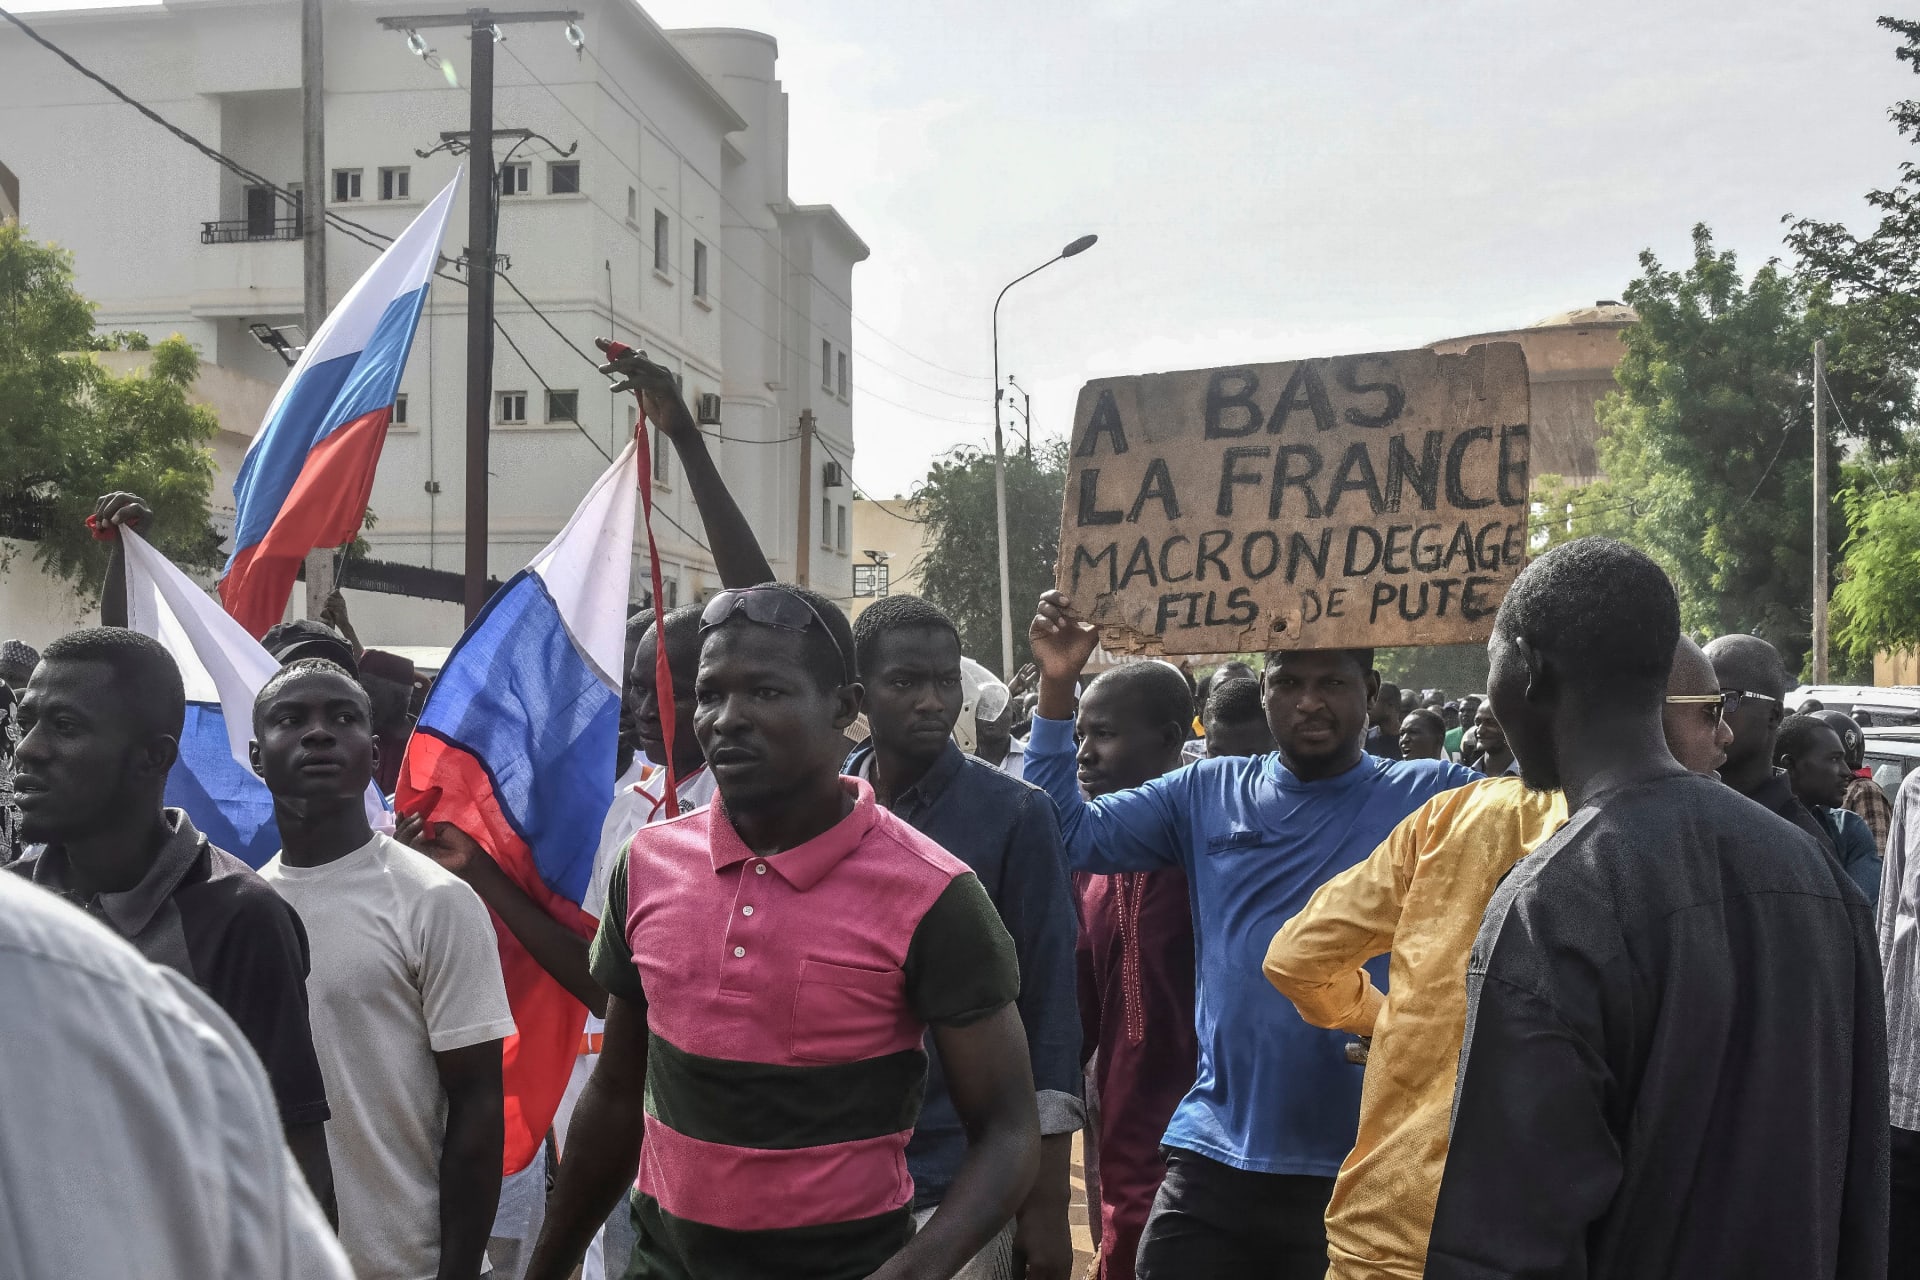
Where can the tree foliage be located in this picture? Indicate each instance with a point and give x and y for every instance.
(1876, 606)
(1708, 444)
(960, 568)
(71, 431)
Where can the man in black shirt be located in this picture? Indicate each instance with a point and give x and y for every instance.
(101, 722)
(1755, 682)
(1675, 1058)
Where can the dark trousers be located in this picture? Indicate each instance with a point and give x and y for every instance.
(1903, 1246)
(1214, 1222)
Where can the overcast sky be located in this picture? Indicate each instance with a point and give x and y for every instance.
(1271, 180)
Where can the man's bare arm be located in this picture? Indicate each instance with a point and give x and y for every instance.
(991, 1082)
(470, 1155)
(602, 1154)
(736, 552)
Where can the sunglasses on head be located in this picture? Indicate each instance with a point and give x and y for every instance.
(771, 606)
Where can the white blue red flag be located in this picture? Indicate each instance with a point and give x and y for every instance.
(305, 479)
(223, 668)
(516, 748)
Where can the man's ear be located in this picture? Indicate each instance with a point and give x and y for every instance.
(158, 753)
(848, 700)
(1173, 735)
(253, 758)
(1542, 679)
(1373, 687)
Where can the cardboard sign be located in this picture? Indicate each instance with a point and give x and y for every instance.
(1325, 504)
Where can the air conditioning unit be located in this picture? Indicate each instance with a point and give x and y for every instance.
(709, 409)
(831, 476)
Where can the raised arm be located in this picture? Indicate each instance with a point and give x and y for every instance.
(736, 552)
(1136, 830)
(115, 511)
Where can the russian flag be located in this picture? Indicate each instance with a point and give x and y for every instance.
(305, 479)
(223, 668)
(516, 747)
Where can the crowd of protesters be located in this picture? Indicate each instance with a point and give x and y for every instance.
(1581, 977)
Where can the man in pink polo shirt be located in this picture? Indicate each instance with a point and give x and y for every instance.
(778, 960)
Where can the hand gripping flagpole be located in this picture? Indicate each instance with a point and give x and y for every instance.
(662, 672)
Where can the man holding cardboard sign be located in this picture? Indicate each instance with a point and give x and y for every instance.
(1312, 511)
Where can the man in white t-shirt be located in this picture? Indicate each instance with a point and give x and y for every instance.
(408, 1005)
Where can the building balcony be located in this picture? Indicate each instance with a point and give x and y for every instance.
(244, 230)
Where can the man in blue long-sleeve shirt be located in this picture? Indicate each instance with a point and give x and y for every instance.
(1254, 1146)
(908, 657)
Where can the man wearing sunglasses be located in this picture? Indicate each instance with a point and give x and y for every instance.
(1755, 683)
(773, 963)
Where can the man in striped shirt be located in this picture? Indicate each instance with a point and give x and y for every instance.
(773, 962)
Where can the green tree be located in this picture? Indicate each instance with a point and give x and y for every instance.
(1876, 606)
(960, 568)
(1708, 447)
(71, 431)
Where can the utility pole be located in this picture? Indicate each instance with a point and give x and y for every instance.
(312, 212)
(482, 25)
(803, 546)
(1820, 511)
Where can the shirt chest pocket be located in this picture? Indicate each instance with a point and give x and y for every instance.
(842, 1013)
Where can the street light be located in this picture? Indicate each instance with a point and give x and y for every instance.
(1081, 245)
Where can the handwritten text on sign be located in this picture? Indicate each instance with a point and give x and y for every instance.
(1359, 501)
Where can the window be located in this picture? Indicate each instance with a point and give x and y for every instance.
(633, 204)
(826, 523)
(513, 179)
(394, 183)
(513, 406)
(661, 259)
(826, 365)
(840, 529)
(670, 587)
(699, 269)
(563, 178)
(563, 406)
(346, 184)
(870, 581)
(662, 459)
(400, 410)
(843, 375)
(261, 210)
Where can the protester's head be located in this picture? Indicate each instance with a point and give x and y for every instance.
(1423, 736)
(289, 642)
(1584, 641)
(1487, 729)
(17, 661)
(628, 741)
(1450, 716)
(1470, 708)
(683, 663)
(993, 737)
(1132, 722)
(1696, 731)
(101, 719)
(1815, 760)
(907, 654)
(1235, 721)
(774, 694)
(313, 737)
(1851, 738)
(1317, 706)
(1234, 670)
(1387, 710)
(1751, 671)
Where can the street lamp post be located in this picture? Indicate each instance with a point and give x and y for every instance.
(1081, 245)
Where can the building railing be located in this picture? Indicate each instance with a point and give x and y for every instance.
(241, 230)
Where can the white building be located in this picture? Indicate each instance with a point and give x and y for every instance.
(670, 226)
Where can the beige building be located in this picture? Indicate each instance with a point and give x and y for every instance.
(1570, 363)
(888, 539)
